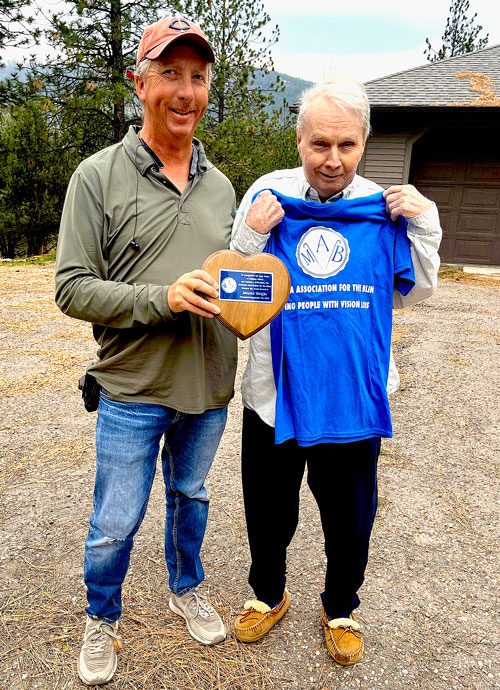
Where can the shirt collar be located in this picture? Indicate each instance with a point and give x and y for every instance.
(158, 164)
(145, 159)
(194, 163)
(310, 194)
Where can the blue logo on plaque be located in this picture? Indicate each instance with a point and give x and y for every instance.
(246, 286)
(322, 252)
(229, 285)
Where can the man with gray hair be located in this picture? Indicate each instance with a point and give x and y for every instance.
(315, 387)
(140, 218)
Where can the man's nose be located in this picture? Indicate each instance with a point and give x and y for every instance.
(185, 90)
(333, 159)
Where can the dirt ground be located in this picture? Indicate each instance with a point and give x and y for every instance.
(430, 602)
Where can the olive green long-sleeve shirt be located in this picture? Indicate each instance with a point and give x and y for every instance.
(146, 354)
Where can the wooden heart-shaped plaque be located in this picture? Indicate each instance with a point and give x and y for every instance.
(252, 289)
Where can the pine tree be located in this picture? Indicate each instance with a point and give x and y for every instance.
(239, 127)
(35, 165)
(460, 36)
(236, 30)
(14, 24)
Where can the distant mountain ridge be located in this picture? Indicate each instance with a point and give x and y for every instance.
(7, 69)
(293, 87)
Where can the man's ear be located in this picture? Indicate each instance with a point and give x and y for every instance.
(363, 151)
(299, 141)
(139, 88)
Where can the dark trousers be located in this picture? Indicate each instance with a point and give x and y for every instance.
(343, 480)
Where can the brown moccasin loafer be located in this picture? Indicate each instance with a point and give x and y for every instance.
(344, 639)
(257, 618)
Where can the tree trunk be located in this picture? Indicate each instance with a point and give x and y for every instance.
(34, 244)
(117, 70)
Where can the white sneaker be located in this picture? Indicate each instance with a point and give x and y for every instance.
(203, 621)
(97, 661)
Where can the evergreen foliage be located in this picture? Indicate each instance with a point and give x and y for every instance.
(460, 36)
(240, 135)
(14, 24)
(35, 166)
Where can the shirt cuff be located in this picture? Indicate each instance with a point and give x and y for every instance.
(424, 223)
(250, 241)
(167, 314)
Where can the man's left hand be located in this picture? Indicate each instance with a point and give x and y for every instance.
(404, 200)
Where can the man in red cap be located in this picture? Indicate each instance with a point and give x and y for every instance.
(140, 217)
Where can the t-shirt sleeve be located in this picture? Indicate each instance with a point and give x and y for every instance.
(404, 275)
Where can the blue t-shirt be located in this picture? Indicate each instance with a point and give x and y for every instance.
(331, 343)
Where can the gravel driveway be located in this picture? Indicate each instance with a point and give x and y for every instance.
(430, 602)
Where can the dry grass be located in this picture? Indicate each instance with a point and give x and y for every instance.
(41, 599)
(42, 627)
(438, 582)
(401, 334)
(390, 456)
(459, 276)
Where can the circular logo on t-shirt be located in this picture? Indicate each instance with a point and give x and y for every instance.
(229, 285)
(322, 252)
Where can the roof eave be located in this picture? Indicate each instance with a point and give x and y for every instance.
(445, 108)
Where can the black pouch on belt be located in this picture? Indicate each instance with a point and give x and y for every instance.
(90, 392)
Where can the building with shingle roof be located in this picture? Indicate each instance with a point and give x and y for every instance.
(472, 79)
(438, 127)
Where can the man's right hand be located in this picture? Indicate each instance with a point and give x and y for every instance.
(265, 212)
(182, 295)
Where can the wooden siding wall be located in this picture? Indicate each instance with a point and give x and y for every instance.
(385, 160)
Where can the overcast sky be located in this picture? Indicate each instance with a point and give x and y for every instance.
(363, 38)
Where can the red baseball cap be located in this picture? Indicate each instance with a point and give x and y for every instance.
(159, 36)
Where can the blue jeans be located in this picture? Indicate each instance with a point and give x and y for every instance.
(127, 443)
